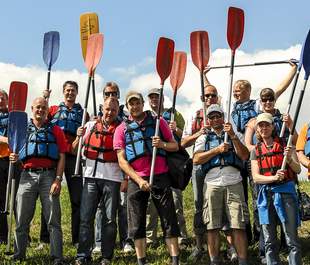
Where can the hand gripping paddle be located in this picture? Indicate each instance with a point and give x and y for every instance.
(93, 56)
(200, 52)
(17, 133)
(164, 60)
(50, 52)
(89, 24)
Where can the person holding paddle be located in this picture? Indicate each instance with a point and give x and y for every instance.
(43, 157)
(133, 141)
(102, 182)
(68, 116)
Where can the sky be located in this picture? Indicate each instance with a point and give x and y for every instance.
(274, 30)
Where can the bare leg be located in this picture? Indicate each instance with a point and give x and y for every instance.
(173, 246)
(213, 237)
(240, 242)
(140, 246)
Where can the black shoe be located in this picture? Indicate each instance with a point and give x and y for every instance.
(82, 261)
(58, 262)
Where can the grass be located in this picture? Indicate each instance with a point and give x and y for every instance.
(156, 255)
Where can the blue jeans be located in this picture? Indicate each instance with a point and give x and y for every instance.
(290, 231)
(107, 193)
(31, 185)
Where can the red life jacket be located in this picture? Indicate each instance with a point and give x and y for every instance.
(197, 123)
(270, 160)
(100, 140)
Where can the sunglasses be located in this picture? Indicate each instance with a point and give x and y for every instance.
(267, 99)
(109, 94)
(216, 116)
(210, 95)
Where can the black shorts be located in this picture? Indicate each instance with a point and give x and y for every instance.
(163, 201)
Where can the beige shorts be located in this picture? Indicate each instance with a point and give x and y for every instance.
(225, 205)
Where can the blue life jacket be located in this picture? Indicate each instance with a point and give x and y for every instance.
(138, 138)
(242, 113)
(68, 120)
(307, 145)
(167, 117)
(40, 143)
(4, 122)
(222, 160)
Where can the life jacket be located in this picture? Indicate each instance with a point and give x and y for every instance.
(68, 120)
(40, 143)
(197, 123)
(222, 160)
(270, 160)
(307, 145)
(4, 122)
(138, 138)
(100, 140)
(167, 117)
(242, 113)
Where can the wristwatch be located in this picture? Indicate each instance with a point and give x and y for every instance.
(59, 178)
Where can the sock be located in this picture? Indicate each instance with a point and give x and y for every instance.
(175, 260)
(242, 261)
(142, 261)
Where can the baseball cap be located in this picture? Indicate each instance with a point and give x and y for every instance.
(267, 117)
(153, 91)
(133, 94)
(214, 108)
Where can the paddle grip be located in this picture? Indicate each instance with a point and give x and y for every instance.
(8, 245)
(8, 187)
(94, 94)
(48, 80)
(203, 99)
(173, 106)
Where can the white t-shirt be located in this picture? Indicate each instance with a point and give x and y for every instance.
(219, 176)
(107, 170)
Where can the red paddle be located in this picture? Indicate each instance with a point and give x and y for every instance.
(164, 60)
(235, 29)
(200, 52)
(177, 76)
(18, 96)
(93, 56)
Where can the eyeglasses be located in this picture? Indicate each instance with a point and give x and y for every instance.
(267, 99)
(216, 116)
(109, 94)
(210, 95)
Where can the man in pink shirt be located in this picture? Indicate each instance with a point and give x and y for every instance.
(134, 140)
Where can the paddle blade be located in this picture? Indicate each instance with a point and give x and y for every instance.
(50, 48)
(200, 49)
(306, 56)
(89, 24)
(18, 96)
(235, 27)
(178, 70)
(17, 130)
(164, 58)
(94, 51)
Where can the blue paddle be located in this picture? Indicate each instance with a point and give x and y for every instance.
(50, 52)
(305, 60)
(17, 132)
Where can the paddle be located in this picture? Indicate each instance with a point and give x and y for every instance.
(93, 56)
(305, 59)
(164, 60)
(235, 29)
(200, 52)
(50, 52)
(255, 64)
(18, 96)
(17, 132)
(89, 24)
(177, 76)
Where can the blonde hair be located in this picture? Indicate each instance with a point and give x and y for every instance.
(243, 84)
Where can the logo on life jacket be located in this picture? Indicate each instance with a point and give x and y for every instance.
(138, 138)
(68, 120)
(100, 140)
(242, 113)
(40, 143)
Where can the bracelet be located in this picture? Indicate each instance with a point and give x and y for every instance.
(59, 178)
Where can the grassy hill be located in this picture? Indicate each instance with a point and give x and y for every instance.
(156, 255)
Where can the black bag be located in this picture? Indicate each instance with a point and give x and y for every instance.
(180, 168)
(304, 205)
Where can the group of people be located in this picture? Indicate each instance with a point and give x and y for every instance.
(115, 176)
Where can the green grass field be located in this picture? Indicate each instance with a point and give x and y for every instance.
(156, 255)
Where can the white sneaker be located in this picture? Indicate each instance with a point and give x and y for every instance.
(41, 246)
(128, 248)
(97, 250)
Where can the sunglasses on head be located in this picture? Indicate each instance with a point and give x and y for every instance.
(109, 94)
(270, 99)
(210, 95)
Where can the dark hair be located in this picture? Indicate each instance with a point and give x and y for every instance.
(70, 83)
(112, 85)
(267, 93)
(2, 91)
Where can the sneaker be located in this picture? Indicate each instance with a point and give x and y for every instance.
(41, 246)
(196, 255)
(97, 250)
(128, 248)
(232, 254)
(105, 262)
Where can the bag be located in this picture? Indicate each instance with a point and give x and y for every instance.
(180, 168)
(304, 205)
